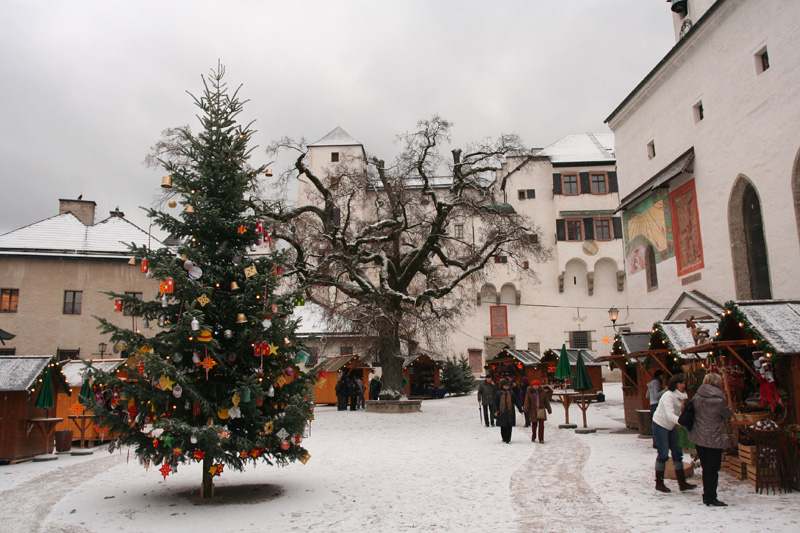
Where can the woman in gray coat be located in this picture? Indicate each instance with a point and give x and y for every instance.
(710, 433)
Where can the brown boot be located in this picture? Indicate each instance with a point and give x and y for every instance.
(682, 483)
(660, 482)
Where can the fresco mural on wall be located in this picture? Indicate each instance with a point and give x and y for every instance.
(683, 203)
(648, 223)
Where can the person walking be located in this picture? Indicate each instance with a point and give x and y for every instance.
(504, 403)
(486, 392)
(665, 433)
(374, 388)
(523, 390)
(536, 406)
(361, 390)
(352, 386)
(655, 389)
(342, 394)
(710, 433)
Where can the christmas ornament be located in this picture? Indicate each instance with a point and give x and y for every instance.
(241, 318)
(278, 271)
(300, 301)
(242, 229)
(266, 323)
(195, 324)
(189, 210)
(246, 396)
(204, 336)
(177, 357)
(285, 445)
(237, 259)
(118, 305)
(132, 261)
(166, 182)
(208, 363)
(234, 286)
(145, 267)
(228, 334)
(162, 321)
(165, 383)
(195, 272)
(223, 414)
(236, 399)
(288, 371)
(187, 264)
(250, 271)
(305, 458)
(177, 390)
(274, 308)
(198, 455)
(77, 409)
(196, 358)
(172, 203)
(302, 357)
(203, 300)
(234, 412)
(271, 391)
(216, 470)
(121, 346)
(167, 286)
(281, 381)
(268, 427)
(259, 227)
(268, 173)
(164, 301)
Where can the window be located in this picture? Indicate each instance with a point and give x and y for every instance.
(522, 194)
(599, 182)
(72, 302)
(334, 157)
(128, 311)
(580, 339)
(8, 351)
(570, 184)
(651, 149)
(9, 299)
(602, 229)
(697, 111)
(501, 259)
(525, 265)
(762, 60)
(63, 355)
(574, 230)
(459, 231)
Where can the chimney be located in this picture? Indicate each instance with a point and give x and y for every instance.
(83, 209)
(117, 213)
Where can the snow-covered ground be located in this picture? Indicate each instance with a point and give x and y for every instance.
(437, 470)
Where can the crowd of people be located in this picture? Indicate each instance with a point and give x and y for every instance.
(350, 392)
(499, 405)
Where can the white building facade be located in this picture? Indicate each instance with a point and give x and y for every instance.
(708, 153)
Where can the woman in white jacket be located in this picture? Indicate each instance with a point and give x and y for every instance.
(665, 433)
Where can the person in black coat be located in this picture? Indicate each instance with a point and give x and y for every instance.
(504, 403)
(342, 394)
(374, 388)
(354, 390)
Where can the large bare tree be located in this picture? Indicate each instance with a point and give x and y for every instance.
(378, 244)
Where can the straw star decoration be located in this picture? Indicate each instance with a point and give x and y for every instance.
(208, 363)
(77, 409)
(242, 229)
(165, 383)
(203, 300)
(165, 470)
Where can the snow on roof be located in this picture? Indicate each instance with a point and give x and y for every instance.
(681, 337)
(64, 234)
(337, 137)
(314, 320)
(581, 147)
(17, 373)
(778, 321)
(635, 341)
(75, 371)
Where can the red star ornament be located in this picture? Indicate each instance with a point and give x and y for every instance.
(242, 229)
(216, 470)
(165, 470)
(198, 455)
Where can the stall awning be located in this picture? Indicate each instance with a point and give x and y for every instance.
(334, 364)
(17, 373)
(679, 166)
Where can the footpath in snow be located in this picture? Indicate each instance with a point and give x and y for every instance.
(437, 470)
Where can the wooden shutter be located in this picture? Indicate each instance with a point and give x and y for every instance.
(617, 222)
(586, 184)
(588, 229)
(557, 184)
(561, 229)
(613, 186)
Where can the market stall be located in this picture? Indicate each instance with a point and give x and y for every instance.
(69, 408)
(422, 375)
(28, 406)
(334, 368)
(757, 351)
(516, 364)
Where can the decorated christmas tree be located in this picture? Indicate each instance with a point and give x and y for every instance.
(220, 380)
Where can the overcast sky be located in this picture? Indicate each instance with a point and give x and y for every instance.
(89, 85)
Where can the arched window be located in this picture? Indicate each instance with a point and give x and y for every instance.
(748, 244)
(650, 268)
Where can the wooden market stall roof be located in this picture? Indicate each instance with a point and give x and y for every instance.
(526, 357)
(18, 373)
(407, 360)
(680, 338)
(75, 371)
(334, 364)
(776, 321)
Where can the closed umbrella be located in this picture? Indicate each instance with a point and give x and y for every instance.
(46, 398)
(582, 380)
(563, 370)
(86, 395)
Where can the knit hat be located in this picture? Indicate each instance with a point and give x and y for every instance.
(504, 382)
(535, 382)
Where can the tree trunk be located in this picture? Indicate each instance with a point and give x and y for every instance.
(392, 365)
(207, 487)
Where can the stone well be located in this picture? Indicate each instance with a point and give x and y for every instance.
(394, 406)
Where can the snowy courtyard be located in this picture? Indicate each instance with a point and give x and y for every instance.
(437, 470)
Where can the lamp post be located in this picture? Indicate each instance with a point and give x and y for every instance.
(613, 314)
(102, 347)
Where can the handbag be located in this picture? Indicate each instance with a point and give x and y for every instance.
(541, 413)
(686, 419)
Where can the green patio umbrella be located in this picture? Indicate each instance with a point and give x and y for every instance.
(563, 370)
(46, 398)
(582, 380)
(86, 395)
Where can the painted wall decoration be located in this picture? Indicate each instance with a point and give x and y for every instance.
(648, 223)
(689, 246)
(499, 320)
